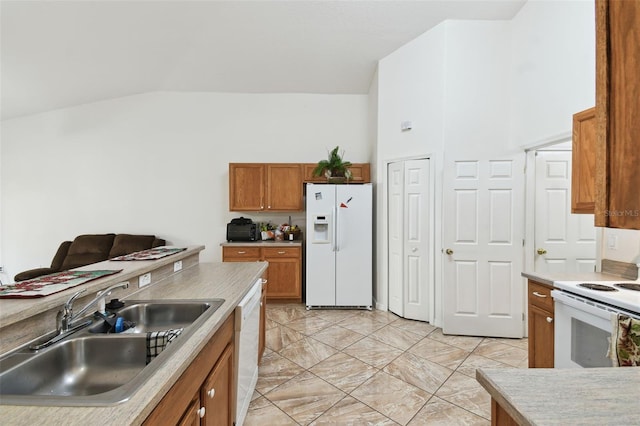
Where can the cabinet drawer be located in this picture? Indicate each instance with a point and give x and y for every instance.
(281, 252)
(540, 296)
(238, 253)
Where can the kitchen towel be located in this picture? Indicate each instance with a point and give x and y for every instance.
(625, 341)
(157, 341)
(50, 284)
(150, 254)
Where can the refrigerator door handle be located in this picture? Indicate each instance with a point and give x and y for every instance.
(336, 246)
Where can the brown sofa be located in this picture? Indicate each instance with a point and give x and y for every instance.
(92, 248)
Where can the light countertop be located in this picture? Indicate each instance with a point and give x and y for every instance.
(229, 281)
(14, 310)
(549, 277)
(547, 396)
(266, 243)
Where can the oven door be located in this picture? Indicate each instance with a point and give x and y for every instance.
(582, 332)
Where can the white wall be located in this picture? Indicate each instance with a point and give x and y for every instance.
(410, 87)
(372, 119)
(476, 98)
(622, 245)
(155, 163)
(552, 67)
(476, 86)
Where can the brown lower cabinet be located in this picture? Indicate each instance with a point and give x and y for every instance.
(499, 416)
(541, 325)
(204, 394)
(284, 274)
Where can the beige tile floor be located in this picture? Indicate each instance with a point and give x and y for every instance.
(350, 367)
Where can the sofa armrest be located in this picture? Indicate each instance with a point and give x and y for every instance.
(33, 273)
(158, 242)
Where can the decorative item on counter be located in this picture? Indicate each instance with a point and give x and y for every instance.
(334, 168)
(291, 232)
(150, 254)
(267, 231)
(52, 283)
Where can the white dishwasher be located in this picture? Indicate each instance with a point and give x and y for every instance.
(247, 335)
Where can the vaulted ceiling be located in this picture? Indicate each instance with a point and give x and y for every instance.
(56, 54)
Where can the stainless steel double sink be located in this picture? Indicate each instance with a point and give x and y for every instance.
(94, 367)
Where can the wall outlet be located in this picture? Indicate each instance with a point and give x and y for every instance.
(177, 266)
(144, 279)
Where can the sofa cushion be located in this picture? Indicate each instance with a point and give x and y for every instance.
(87, 249)
(61, 254)
(126, 244)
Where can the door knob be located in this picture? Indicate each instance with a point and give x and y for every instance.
(541, 251)
(549, 319)
(449, 251)
(414, 249)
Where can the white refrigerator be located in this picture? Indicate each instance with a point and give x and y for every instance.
(339, 245)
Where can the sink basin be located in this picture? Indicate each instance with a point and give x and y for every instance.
(81, 366)
(159, 315)
(92, 369)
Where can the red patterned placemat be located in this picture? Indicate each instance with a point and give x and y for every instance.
(150, 254)
(50, 284)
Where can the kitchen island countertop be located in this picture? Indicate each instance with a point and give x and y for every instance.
(547, 396)
(229, 281)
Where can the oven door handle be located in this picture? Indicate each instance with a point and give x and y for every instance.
(588, 306)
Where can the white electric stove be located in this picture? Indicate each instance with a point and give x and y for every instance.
(585, 316)
(622, 294)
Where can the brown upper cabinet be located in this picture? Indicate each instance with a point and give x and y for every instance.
(360, 172)
(265, 187)
(617, 203)
(277, 187)
(584, 162)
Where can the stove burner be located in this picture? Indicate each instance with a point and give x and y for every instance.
(597, 287)
(629, 286)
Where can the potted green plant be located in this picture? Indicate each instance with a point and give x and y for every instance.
(334, 167)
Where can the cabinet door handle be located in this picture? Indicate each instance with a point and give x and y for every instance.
(264, 281)
(535, 293)
(549, 319)
(242, 252)
(211, 392)
(282, 252)
(201, 412)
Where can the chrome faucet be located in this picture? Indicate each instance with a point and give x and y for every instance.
(65, 320)
(65, 316)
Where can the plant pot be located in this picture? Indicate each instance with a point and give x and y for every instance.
(336, 179)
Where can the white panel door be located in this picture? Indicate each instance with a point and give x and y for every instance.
(395, 197)
(354, 248)
(320, 246)
(564, 242)
(483, 218)
(417, 264)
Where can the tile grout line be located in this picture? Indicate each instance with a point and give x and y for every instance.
(335, 322)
